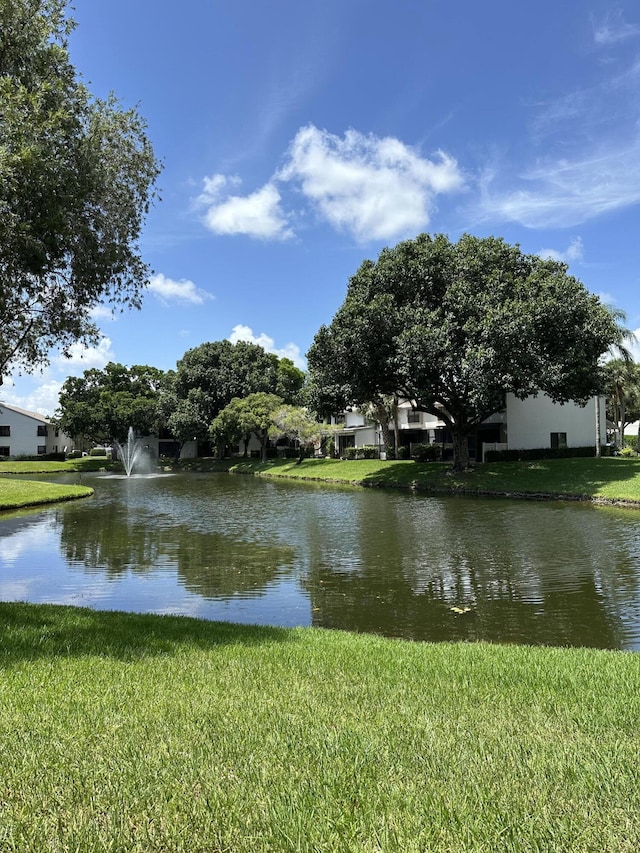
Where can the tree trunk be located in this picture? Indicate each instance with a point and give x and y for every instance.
(598, 437)
(460, 449)
(382, 417)
(396, 424)
(263, 437)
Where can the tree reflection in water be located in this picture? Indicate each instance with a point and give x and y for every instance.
(394, 563)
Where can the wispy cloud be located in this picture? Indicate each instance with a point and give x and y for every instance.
(613, 28)
(567, 192)
(167, 290)
(580, 160)
(290, 350)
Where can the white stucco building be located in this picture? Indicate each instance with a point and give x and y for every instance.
(536, 422)
(24, 433)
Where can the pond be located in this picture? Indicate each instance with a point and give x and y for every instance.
(252, 550)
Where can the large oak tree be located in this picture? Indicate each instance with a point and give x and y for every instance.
(453, 327)
(101, 405)
(77, 176)
(210, 375)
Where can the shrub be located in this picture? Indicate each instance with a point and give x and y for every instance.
(627, 451)
(533, 453)
(368, 451)
(97, 451)
(402, 452)
(40, 457)
(427, 452)
(349, 453)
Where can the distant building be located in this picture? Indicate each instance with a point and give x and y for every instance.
(536, 422)
(24, 433)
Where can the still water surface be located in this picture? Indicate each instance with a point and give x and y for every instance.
(404, 565)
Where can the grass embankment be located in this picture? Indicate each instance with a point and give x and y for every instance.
(16, 494)
(607, 479)
(142, 733)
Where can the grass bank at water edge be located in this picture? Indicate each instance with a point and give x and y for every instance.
(17, 494)
(125, 732)
(608, 478)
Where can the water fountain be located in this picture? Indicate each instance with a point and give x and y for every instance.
(130, 453)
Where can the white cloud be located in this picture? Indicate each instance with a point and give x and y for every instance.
(256, 215)
(290, 350)
(613, 29)
(42, 399)
(40, 392)
(375, 188)
(168, 290)
(574, 253)
(102, 312)
(83, 358)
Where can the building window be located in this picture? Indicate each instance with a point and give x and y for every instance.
(5, 430)
(42, 449)
(340, 419)
(558, 440)
(4, 451)
(414, 417)
(42, 430)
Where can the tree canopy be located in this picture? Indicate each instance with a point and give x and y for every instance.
(622, 387)
(453, 327)
(209, 376)
(77, 177)
(241, 418)
(102, 404)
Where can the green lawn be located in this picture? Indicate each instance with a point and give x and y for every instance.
(16, 494)
(44, 466)
(140, 733)
(607, 478)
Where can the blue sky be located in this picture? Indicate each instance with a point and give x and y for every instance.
(299, 138)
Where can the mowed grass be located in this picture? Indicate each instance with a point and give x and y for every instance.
(608, 478)
(124, 732)
(16, 494)
(605, 479)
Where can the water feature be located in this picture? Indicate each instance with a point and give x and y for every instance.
(250, 550)
(131, 453)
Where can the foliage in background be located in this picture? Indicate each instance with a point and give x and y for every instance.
(209, 376)
(243, 417)
(299, 425)
(454, 326)
(102, 404)
(622, 388)
(77, 177)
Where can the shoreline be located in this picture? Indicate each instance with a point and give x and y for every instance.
(601, 482)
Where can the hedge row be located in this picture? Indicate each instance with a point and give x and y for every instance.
(541, 453)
